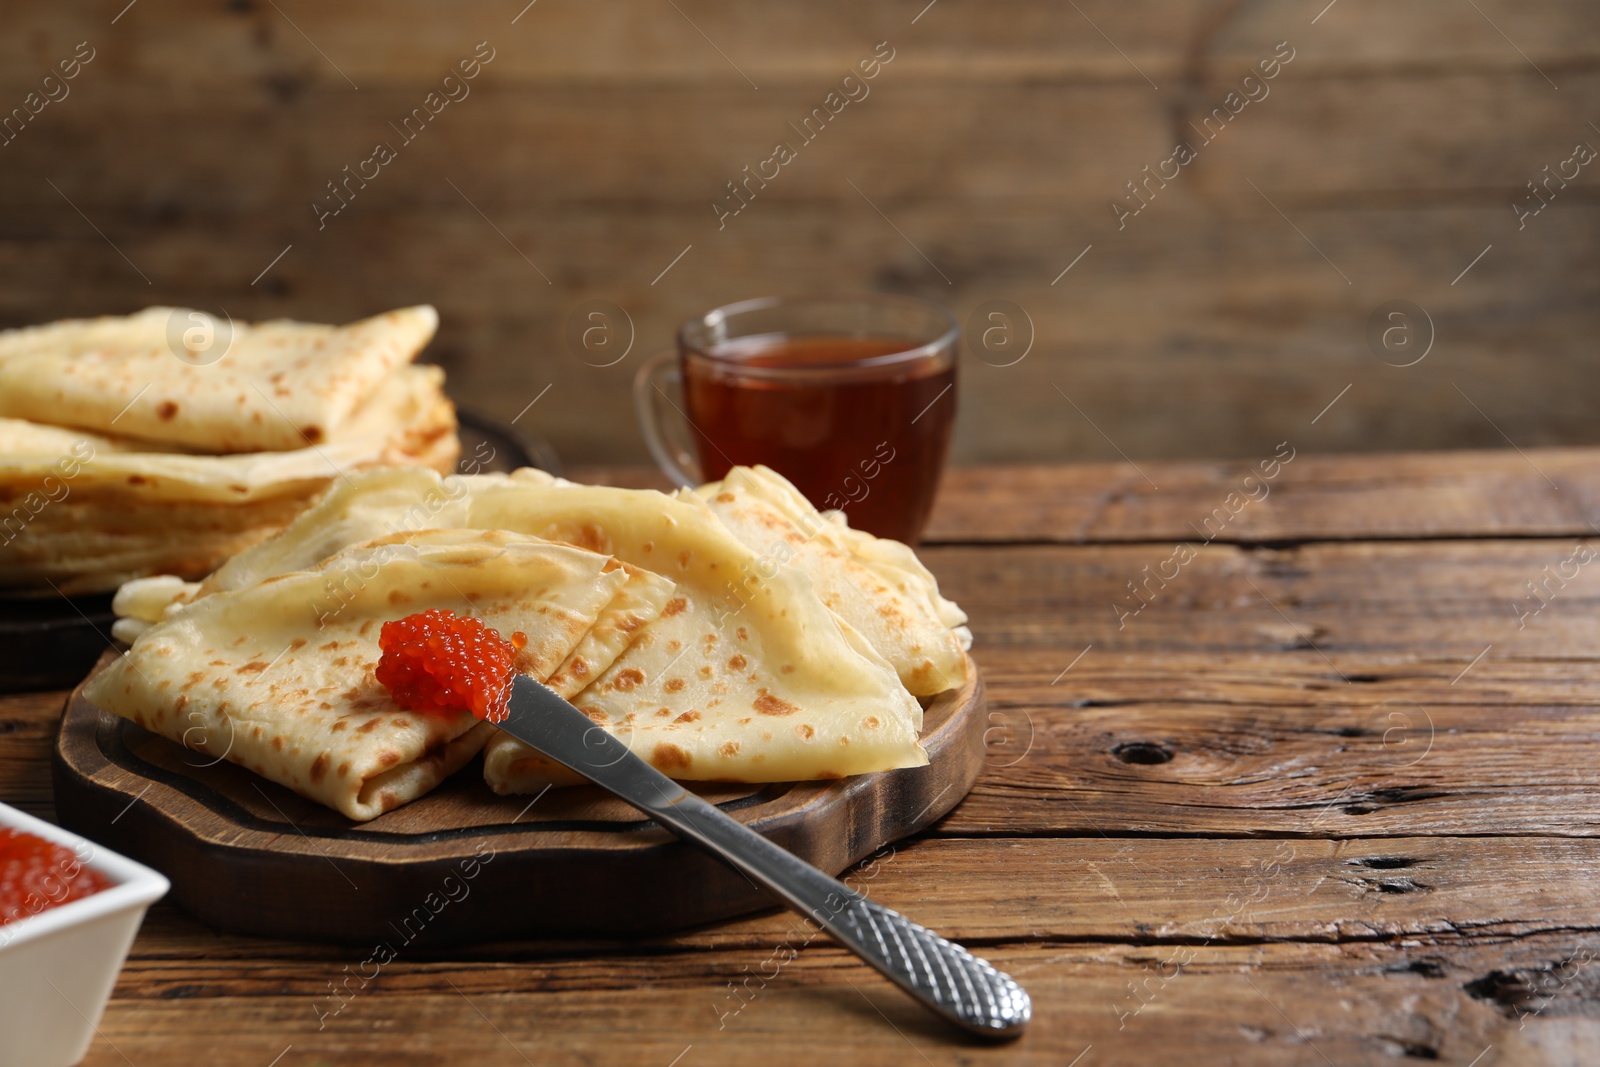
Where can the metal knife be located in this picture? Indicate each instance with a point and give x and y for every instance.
(945, 977)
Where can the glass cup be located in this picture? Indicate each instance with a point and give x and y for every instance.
(852, 398)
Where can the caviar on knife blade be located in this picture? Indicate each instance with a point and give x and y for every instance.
(440, 662)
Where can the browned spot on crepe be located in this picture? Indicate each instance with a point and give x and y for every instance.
(667, 756)
(767, 704)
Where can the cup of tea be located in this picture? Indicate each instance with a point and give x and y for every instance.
(852, 398)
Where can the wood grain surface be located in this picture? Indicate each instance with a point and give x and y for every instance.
(1382, 164)
(1323, 801)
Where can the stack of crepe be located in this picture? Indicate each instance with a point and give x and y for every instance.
(731, 633)
(123, 453)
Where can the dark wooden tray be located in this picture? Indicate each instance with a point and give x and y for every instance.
(461, 864)
(50, 641)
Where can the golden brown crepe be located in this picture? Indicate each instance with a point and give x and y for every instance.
(892, 608)
(278, 676)
(746, 676)
(84, 512)
(279, 385)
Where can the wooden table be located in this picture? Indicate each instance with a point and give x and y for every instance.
(1327, 798)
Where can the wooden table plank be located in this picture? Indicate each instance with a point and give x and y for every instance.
(1421, 600)
(1464, 494)
(517, 174)
(1143, 932)
(1089, 890)
(390, 43)
(1366, 770)
(1405, 496)
(1448, 999)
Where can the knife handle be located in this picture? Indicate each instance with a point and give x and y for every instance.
(948, 979)
(954, 983)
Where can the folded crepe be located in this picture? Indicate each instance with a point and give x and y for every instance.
(85, 512)
(745, 675)
(898, 611)
(378, 503)
(278, 678)
(279, 385)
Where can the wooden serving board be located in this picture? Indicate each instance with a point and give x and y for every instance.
(462, 864)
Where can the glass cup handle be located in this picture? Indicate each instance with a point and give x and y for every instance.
(673, 457)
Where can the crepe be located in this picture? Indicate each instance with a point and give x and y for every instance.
(744, 676)
(271, 679)
(84, 512)
(407, 419)
(638, 602)
(510, 766)
(890, 606)
(279, 385)
(379, 502)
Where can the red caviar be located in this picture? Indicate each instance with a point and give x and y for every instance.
(440, 662)
(36, 874)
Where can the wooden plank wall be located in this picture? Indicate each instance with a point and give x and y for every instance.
(1384, 157)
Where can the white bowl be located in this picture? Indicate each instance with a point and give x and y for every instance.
(57, 967)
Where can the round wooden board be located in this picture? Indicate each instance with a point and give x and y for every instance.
(462, 864)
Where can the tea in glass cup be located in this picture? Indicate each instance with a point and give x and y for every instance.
(852, 398)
